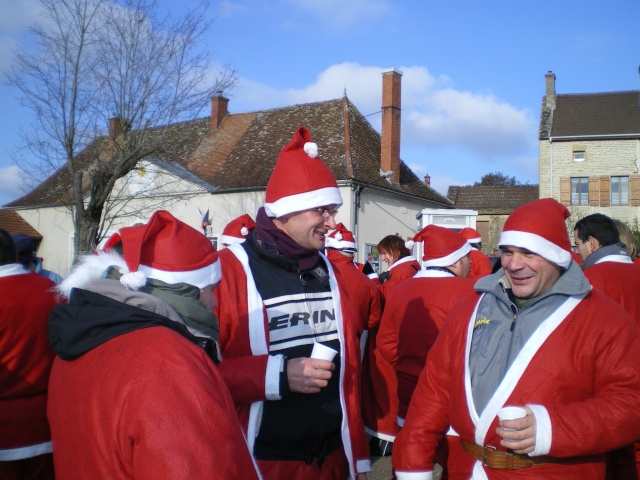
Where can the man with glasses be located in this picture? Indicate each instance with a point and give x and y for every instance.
(279, 297)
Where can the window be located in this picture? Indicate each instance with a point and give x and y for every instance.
(579, 156)
(372, 256)
(579, 190)
(619, 190)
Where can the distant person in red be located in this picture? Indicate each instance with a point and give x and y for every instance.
(402, 265)
(609, 268)
(606, 263)
(480, 263)
(415, 311)
(26, 299)
(363, 293)
(237, 230)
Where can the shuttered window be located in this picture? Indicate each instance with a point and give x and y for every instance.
(579, 190)
(619, 190)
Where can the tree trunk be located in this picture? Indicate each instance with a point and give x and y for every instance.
(86, 233)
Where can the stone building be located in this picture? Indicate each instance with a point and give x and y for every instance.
(589, 152)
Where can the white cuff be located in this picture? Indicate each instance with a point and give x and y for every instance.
(414, 475)
(275, 365)
(543, 430)
(363, 466)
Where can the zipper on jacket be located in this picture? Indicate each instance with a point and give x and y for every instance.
(513, 322)
(301, 279)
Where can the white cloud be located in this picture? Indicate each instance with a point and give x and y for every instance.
(434, 114)
(11, 183)
(227, 9)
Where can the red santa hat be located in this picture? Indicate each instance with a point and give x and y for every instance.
(237, 230)
(442, 246)
(540, 227)
(300, 180)
(471, 234)
(341, 239)
(168, 250)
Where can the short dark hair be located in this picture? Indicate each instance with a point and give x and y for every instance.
(395, 246)
(598, 226)
(7, 249)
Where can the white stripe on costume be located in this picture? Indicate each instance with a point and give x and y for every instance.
(515, 372)
(21, 453)
(615, 259)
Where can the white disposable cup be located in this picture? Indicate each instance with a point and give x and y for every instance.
(322, 352)
(511, 413)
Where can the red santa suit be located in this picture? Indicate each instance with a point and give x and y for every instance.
(361, 290)
(480, 264)
(581, 412)
(615, 274)
(25, 358)
(401, 269)
(413, 317)
(619, 278)
(252, 374)
(110, 419)
(379, 379)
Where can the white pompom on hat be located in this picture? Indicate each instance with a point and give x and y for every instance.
(168, 250)
(341, 239)
(300, 180)
(237, 230)
(442, 246)
(471, 234)
(540, 227)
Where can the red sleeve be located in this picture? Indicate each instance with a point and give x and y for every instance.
(610, 417)
(387, 338)
(428, 416)
(200, 435)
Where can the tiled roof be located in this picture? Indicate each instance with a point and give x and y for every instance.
(493, 200)
(614, 113)
(14, 223)
(242, 151)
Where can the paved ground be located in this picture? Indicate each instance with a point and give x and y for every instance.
(381, 469)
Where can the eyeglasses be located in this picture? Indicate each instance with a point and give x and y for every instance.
(327, 213)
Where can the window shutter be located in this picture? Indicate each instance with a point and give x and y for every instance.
(605, 191)
(565, 191)
(594, 191)
(634, 190)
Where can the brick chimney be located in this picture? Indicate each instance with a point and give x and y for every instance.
(115, 128)
(427, 180)
(550, 94)
(218, 109)
(390, 141)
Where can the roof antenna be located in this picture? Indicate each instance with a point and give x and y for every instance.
(344, 93)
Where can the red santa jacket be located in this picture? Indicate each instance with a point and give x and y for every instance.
(579, 373)
(25, 361)
(402, 269)
(250, 372)
(361, 290)
(619, 278)
(480, 264)
(146, 404)
(413, 317)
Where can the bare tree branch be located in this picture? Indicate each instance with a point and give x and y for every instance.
(100, 63)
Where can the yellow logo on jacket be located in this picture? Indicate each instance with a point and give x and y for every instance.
(481, 321)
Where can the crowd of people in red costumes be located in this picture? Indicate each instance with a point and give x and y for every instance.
(160, 356)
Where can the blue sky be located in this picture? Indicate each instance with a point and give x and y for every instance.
(473, 71)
